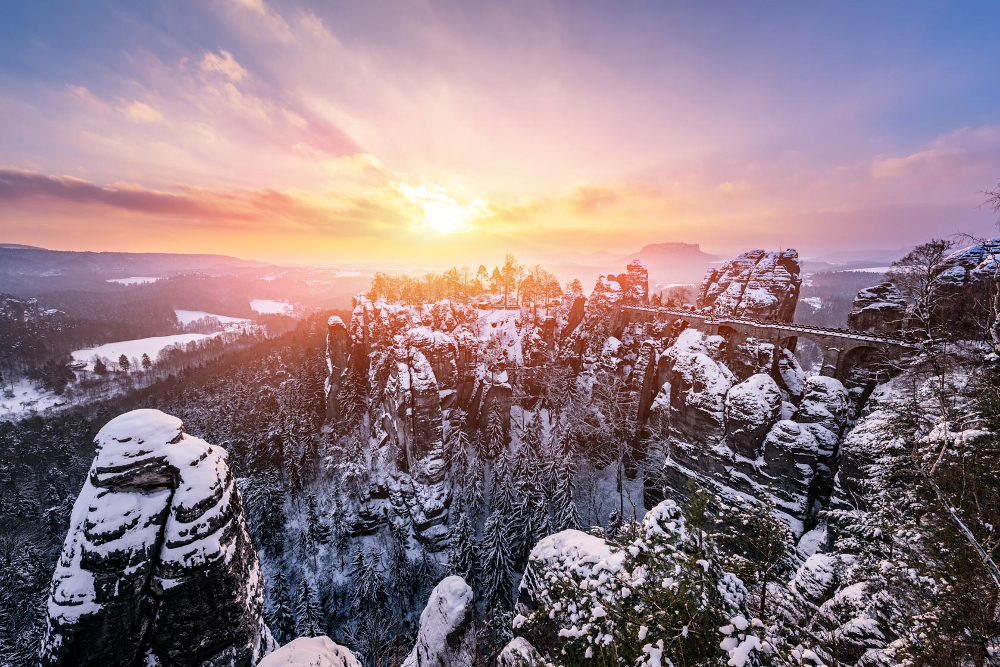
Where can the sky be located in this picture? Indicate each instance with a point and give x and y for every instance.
(438, 132)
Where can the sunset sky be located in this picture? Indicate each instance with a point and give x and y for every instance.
(424, 131)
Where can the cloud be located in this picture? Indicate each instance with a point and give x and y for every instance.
(950, 157)
(223, 63)
(141, 112)
(363, 214)
(17, 185)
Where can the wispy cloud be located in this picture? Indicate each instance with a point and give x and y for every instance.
(223, 63)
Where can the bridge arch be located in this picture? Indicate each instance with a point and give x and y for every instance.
(872, 357)
(787, 341)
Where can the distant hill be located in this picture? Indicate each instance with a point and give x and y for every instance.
(673, 262)
(667, 263)
(18, 246)
(26, 266)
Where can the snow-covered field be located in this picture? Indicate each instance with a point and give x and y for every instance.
(870, 269)
(134, 280)
(189, 316)
(136, 348)
(25, 399)
(271, 307)
(813, 302)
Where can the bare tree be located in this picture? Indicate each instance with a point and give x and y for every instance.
(918, 277)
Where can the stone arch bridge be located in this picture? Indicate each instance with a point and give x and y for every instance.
(842, 349)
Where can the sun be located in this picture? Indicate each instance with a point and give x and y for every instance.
(445, 217)
(432, 207)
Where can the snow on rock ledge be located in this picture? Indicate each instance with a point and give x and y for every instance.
(311, 652)
(157, 566)
(446, 637)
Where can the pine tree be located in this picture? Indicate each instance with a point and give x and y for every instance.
(308, 615)
(462, 549)
(123, 363)
(318, 530)
(497, 562)
(531, 436)
(147, 363)
(496, 439)
(368, 591)
(566, 515)
(282, 617)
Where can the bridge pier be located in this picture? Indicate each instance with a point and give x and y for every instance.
(831, 362)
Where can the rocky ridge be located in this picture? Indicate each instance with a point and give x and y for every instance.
(756, 285)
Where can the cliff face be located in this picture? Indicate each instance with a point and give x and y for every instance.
(737, 415)
(157, 566)
(756, 285)
(422, 374)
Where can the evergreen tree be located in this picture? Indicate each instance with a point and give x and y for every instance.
(462, 549)
(318, 530)
(308, 614)
(496, 438)
(368, 592)
(566, 514)
(147, 363)
(497, 562)
(124, 364)
(282, 617)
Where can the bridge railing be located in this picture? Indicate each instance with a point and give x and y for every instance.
(774, 324)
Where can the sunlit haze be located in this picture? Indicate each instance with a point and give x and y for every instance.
(427, 133)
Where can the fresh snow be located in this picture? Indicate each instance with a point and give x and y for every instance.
(311, 652)
(137, 347)
(134, 280)
(270, 307)
(26, 398)
(189, 316)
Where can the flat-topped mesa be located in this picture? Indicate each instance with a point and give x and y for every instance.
(158, 567)
(880, 309)
(756, 285)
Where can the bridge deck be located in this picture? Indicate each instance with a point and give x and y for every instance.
(782, 327)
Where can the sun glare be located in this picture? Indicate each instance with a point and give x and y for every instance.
(432, 207)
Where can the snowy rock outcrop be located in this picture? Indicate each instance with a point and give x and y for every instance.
(879, 309)
(520, 653)
(158, 567)
(338, 352)
(311, 652)
(752, 408)
(629, 288)
(968, 265)
(446, 637)
(699, 383)
(757, 285)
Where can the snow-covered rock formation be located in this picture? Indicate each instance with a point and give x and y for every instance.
(157, 567)
(446, 637)
(736, 414)
(311, 652)
(970, 264)
(879, 309)
(422, 373)
(757, 285)
(629, 288)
